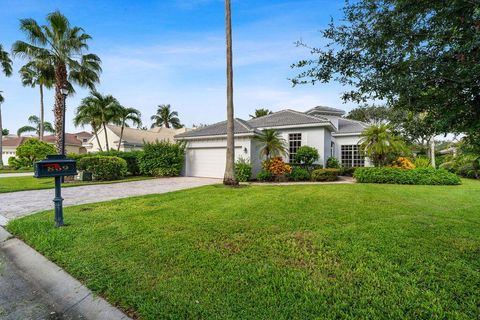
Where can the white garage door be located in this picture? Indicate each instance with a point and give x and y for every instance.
(205, 162)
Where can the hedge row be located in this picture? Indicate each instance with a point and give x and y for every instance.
(403, 176)
(104, 167)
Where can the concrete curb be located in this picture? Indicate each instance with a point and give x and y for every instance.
(70, 296)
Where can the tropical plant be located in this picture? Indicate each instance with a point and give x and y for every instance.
(36, 127)
(381, 145)
(276, 166)
(124, 115)
(64, 46)
(260, 113)
(271, 143)
(165, 117)
(98, 110)
(6, 67)
(243, 170)
(229, 176)
(39, 73)
(403, 163)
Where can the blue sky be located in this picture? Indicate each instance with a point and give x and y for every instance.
(173, 51)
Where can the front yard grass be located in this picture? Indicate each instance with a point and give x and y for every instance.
(356, 251)
(24, 183)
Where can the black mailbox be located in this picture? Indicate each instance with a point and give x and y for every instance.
(55, 166)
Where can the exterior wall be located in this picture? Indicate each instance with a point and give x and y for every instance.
(347, 140)
(7, 153)
(112, 138)
(317, 138)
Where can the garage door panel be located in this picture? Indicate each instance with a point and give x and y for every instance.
(205, 162)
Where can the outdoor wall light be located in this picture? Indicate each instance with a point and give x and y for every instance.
(245, 150)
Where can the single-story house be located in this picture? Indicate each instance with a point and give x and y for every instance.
(74, 143)
(323, 128)
(132, 139)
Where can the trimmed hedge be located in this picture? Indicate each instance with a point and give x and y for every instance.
(162, 159)
(104, 167)
(422, 176)
(131, 157)
(329, 174)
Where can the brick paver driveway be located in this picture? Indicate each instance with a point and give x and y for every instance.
(17, 204)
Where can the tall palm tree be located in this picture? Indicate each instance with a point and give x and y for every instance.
(272, 143)
(37, 127)
(103, 109)
(88, 114)
(165, 117)
(229, 176)
(64, 46)
(260, 113)
(6, 68)
(379, 144)
(125, 114)
(42, 74)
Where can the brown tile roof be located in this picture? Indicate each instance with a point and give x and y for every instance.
(14, 142)
(70, 139)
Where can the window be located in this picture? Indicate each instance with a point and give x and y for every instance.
(351, 156)
(332, 149)
(295, 142)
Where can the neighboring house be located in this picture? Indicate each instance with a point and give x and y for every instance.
(133, 139)
(73, 143)
(321, 127)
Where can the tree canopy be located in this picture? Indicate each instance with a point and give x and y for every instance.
(421, 56)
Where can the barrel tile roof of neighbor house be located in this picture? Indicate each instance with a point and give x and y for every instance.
(136, 136)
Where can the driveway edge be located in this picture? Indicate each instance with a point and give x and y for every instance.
(69, 294)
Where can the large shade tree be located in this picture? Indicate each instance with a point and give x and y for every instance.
(36, 126)
(125, 115)
(6, 69)
(165, 117)
(66, 47)
(422, 56)
(39, 73)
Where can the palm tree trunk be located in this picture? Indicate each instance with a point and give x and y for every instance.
(95, 131)
(42, 114)
(432, 152)
(58, 109)
(1, 138)
(229, 177)
(106, 136)
(121, 136)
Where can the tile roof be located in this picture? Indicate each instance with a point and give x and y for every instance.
(14, 142)
(285, 118)
(350, 126)
(70, 139)
(326, 110)
(138, 136)
(217, 129)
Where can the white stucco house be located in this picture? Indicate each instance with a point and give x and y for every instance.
(321, 127)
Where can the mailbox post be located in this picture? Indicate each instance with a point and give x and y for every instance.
(56, 166)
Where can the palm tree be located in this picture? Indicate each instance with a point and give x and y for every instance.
(37, 127)
(260, 113)
(87, 114)
(102, 111)
(127, 114)
(272, 143)
(41, 73)
(6, 67)
(229, 176)
(379, 144)
(64, 47)
(165, 117)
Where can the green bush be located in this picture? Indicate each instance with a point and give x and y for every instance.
(19, 163)
(298, 174)
(333, 163)
(76, 156)
(347, 171)
(131, 157)
(104, 168)
(306, 155)
(329, 174)
(420, 176)
(422, 162)
(264, 175)
(162, 159)
(243, 170)
(467, 166)
(30, 151)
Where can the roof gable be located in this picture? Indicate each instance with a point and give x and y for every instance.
(285, 118)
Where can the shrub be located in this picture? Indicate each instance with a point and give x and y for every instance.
(467, 166)
(243, 170)
(19, 163)
(333, 163)
(76, 156)
(104, 167)
(329, 174)
(162, 159)
(403, 163)
(264, 175)
(422, 162)
(131, 157)
(347, 171)
(402, 176)
(298, 174)
(276, 166)
(306, 155)
(30, 151)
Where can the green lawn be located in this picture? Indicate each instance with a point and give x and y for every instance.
(6, 170)
(355, 251)
(13, 184)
